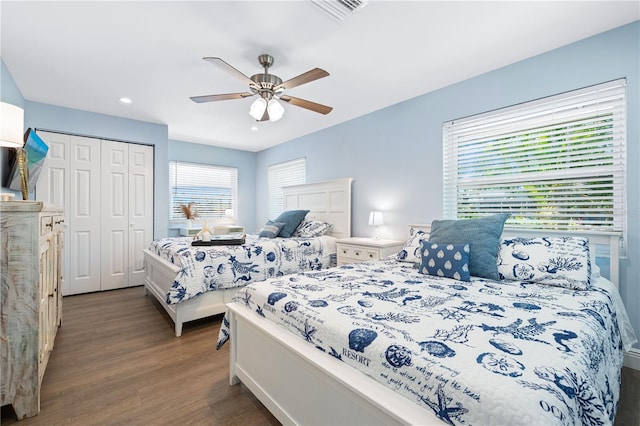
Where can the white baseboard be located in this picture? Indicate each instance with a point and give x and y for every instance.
(632, 359)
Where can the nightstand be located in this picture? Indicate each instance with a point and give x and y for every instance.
(352, 250)
(190, 232)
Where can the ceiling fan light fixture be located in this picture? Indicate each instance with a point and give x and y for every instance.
(275, 110)
(257, 108)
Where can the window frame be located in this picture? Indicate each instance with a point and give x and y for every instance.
(280, 175)
(177, 220)
(592, 105)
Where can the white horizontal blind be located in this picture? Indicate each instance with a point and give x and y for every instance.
(292, 172)
(554, 163)
(213, 189)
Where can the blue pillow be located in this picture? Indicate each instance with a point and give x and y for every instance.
(445, 260)
(291, 220)
(271, 229)
(483, 234)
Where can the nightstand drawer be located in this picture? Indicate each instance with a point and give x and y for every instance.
(358, 253)
(353, 250)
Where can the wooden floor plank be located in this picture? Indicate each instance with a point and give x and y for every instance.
(116, 362)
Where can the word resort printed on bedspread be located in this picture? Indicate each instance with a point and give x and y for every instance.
(205, 268)
(479, 352)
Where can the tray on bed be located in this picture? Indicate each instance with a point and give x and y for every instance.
(221, 240)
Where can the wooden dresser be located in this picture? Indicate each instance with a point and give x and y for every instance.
(31, 299)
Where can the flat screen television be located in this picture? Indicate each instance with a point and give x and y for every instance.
(36, 153)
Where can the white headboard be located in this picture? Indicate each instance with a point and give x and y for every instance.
(609, 239)
(329, 201)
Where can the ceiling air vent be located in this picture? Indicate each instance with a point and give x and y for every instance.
(339, 10)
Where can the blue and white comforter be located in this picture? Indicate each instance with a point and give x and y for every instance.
(206, 268)
(479, 352)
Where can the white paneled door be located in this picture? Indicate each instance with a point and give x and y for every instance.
(106, 189)
(127, 204)
(71, 179)
(140, 209)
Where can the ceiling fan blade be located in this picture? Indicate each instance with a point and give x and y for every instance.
(303, 103)
(231, 70)
(224, 97)
(307, 77)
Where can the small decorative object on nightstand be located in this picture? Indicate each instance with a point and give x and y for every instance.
(352, 250)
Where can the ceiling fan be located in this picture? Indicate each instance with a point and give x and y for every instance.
(269, 87)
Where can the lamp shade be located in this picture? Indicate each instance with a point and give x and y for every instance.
(375, 218)
(11, 125)
(257, 108)
(275, 110)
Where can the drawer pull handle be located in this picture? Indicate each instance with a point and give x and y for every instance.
(357, 253)
(370, 254)
(344, 252)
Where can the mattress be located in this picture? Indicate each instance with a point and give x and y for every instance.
(479, 352)
(210, 268)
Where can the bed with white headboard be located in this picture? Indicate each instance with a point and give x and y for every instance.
(303, 385)
(328, 201)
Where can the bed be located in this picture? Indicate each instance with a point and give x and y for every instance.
(328, 201)
(425, 349)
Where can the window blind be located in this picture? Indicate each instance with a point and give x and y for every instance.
(554, 163)
(213, 189)
(280, 175)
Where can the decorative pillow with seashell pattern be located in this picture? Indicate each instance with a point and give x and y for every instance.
(558, 261)
(411, 250)
(445, 260)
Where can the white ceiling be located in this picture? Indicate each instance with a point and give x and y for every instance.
(86, 55)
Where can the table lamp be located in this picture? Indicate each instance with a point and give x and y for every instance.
(375, 220)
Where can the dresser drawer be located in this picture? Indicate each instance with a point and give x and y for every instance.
(46, 224)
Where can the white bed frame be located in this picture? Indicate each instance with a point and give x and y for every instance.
(329, 201)
(301, 385)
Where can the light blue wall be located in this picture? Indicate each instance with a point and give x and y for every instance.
(244, 161)
(66, 120)
(9, 91)
(395, 154)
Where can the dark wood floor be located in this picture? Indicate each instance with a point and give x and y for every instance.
(117, 362)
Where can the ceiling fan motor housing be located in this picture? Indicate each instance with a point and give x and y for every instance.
(265, 84)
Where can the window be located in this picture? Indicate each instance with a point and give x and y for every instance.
(284, 174)
(213, 189)
(554, 163)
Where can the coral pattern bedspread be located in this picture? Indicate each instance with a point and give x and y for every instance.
(479, 352)
(207, 268)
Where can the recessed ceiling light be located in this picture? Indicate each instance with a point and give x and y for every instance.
(125, 100)
(254, 128)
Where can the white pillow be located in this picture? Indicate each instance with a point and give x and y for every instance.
(558, 261)
(411, 250)
(310, 228)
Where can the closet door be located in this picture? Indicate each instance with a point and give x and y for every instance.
(53, 185)
(140, 209)
(115, 215)
(71, 178)
(127, 212)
